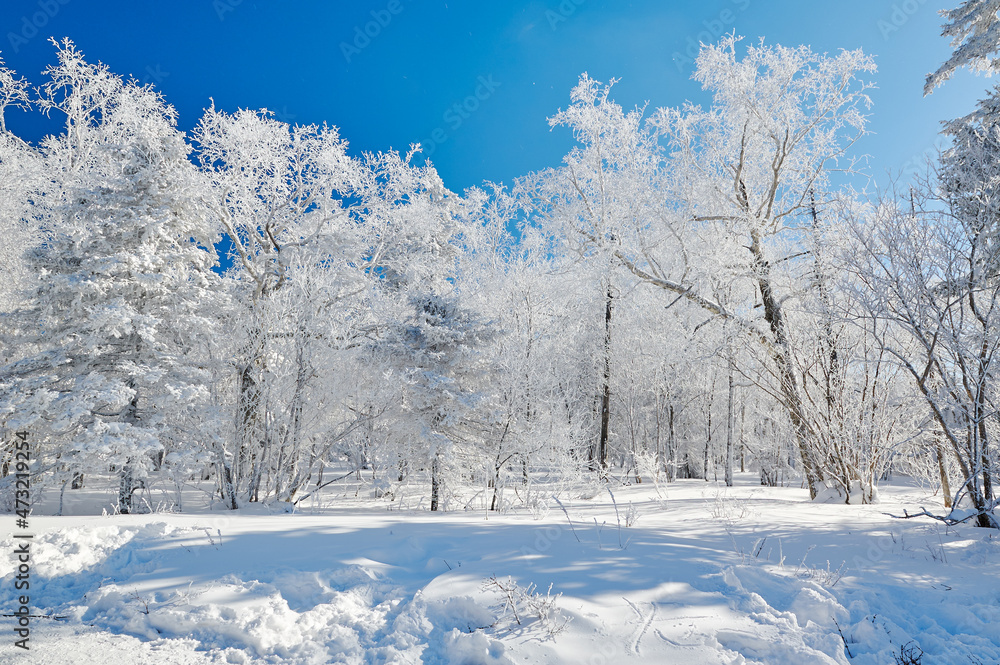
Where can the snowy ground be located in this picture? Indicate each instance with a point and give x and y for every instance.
(703, 575)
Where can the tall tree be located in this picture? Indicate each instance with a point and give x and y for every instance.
(278, 190)
(126, 278)
(19, 181)
(432, 336)
(939, 317)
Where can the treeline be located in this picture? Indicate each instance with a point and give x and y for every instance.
(692, 292)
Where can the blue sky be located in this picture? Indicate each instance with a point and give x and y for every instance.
(398, 84)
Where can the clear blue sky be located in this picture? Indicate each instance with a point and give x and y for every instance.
(398, 84)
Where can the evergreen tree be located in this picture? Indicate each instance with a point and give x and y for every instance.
(125, 281)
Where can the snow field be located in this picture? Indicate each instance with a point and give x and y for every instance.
(705, 575)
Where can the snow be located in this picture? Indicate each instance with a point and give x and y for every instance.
(705, 575)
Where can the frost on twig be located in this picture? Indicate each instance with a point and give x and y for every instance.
(519, 605)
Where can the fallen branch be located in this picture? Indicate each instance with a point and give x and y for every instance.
(319, 487)
(950, 521)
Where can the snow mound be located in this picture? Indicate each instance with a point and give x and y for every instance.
(106, 577)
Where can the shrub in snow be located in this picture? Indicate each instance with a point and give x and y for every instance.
(520, 604)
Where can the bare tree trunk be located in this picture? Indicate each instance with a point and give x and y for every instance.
(602, 447)
(126, 486)
(671, 446)
(660, 457)
(226, 481)
(781, 353)
(743, 447)
(287, 482)
(981, 408)
(250, 421)
(729, 427)
(708, 437)
(435, 481)
(943, 469)
(495, 484)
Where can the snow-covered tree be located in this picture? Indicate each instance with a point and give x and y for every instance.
(700, 202)
(970, 176)
(974, 29)
(429, 346)
(936, 312)
(124, 280)
(19, 179)
(537, 408)
(279, 191)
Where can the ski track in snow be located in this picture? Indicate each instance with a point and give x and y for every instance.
(366, 586)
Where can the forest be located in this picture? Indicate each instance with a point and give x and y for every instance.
(253, 308)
